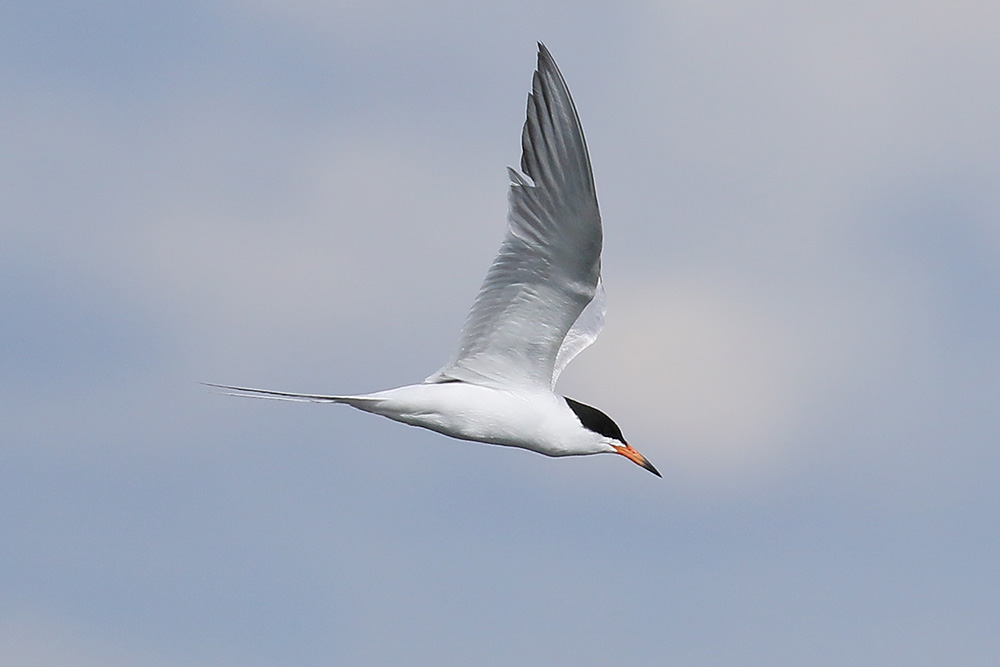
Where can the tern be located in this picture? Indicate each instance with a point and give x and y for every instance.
(541, 303)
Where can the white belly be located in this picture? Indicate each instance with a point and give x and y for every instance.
(536, 420)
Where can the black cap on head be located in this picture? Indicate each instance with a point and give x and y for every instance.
(595, 420)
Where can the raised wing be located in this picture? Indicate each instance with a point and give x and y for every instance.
(549, 265)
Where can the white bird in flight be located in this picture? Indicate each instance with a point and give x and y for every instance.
(540, 305)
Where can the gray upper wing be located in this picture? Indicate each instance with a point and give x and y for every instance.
(549, 265)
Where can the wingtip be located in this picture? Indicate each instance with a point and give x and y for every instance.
(544, 56)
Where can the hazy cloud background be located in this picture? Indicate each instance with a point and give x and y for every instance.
(802, 259)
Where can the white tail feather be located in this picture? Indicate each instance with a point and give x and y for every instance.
(248, 392)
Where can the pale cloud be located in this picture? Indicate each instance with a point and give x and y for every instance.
(707, 375)
(725, 363)
(718, 376)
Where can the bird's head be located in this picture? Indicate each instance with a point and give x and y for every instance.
(601, 424)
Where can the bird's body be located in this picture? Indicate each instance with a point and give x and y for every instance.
(541, 303)
(539, 420)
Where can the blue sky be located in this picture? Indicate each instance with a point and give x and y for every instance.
(802, 260)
